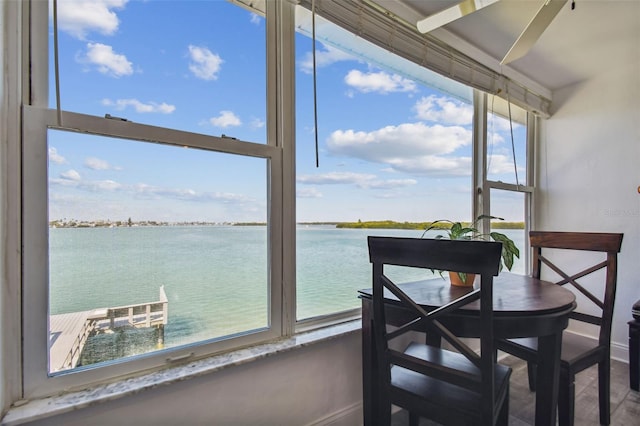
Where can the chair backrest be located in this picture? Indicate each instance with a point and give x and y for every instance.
(479, 257)
(607, 243)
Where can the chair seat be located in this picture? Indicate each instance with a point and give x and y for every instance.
(463, 401)
(578, 352)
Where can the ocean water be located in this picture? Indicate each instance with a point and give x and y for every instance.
(215, 277)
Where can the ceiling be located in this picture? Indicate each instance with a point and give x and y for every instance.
(577, 45)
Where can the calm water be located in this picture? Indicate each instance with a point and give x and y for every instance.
(215, 277)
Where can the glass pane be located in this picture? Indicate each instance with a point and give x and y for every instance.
(198, 66)
(391, 149)
(143, 251)
(510, 206)
(507, 143)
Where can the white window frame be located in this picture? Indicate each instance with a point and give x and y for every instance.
(483, 186)
(38, 118)
(279, 152)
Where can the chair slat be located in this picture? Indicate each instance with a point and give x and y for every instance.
(592, 241)
(572, 279)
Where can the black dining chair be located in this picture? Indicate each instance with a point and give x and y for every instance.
(451, 387)
(578, 352)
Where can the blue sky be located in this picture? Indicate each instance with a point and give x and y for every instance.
(390, 147)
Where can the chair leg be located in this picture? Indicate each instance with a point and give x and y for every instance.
(566, 399)
(433, 339)
(503, 415)
(604, 390)
(414, 419)
(532, 369)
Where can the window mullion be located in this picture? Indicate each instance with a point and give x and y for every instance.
(283, 80)
(480, 196)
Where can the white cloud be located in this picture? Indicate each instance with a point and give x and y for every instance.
(498, 130)
(380, 82)
(72, 179)
(434, 165)
(140, 107)
(391, 183)
(79, 17)
(148, 191)
(145, 191)
(500, 124)
(444, 110)
(333, 178)
(404, 140)
(361, 180)
(494, 138)
(103, 185)
(94, 163)
(56, 158)
(256, 123)
(410, 147)
(308, 193)
(324, 58)
(107, 61)
(204, 63)
(498, 164)
(255, 18)
(70, 175)
(225, 119)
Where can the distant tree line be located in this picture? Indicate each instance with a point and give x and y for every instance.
(390, 224)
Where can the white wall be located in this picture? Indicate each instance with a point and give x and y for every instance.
(318, 384)
(589, 168)
(10, 92)
(3, 138)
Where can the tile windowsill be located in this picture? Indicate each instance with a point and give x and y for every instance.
(59, 404)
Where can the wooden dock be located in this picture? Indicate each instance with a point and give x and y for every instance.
(69, 332)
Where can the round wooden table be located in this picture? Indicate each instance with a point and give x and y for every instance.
(523, 307)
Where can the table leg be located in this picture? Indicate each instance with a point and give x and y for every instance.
(634, 355)
(548, 378)
(369, 385)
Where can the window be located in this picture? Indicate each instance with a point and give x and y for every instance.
(124, 237)
(140, 61)
(137, 190)
(394, 146)
(508, 187)
(172, 200)
(507, 142)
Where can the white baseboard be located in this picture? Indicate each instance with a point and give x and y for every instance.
(619, 352)
(347, 416)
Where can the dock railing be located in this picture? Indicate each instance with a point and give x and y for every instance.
(76, 349)
(140, 315)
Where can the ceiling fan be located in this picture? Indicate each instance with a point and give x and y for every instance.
(534, 29)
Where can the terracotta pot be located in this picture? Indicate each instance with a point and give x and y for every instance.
(457, 280)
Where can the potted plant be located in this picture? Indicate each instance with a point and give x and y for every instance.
(457, 231)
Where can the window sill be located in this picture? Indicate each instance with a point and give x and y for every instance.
(27, 411)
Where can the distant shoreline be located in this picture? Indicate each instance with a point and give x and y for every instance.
(381, 224)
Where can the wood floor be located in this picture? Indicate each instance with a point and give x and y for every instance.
(625, 403)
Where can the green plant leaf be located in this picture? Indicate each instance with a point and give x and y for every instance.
(509, 249)
(458, 231)
(434, 225)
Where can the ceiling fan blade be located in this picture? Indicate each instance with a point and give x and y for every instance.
(533, 30)
(450, 14)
